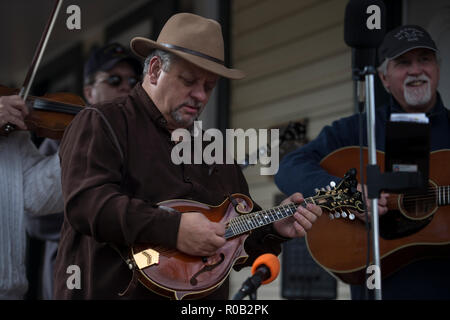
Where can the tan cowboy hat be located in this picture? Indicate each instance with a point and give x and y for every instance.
(193, 38)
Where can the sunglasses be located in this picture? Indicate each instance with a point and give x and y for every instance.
(116, 80)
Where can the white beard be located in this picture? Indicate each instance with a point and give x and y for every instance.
(417, 96)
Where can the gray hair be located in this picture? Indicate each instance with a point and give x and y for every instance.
(383, 67)
(167, 59)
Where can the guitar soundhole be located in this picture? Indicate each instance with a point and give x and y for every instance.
(419, 206)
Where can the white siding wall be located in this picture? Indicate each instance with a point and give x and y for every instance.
(298, 66)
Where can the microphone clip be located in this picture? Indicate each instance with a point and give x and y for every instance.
(249, 287)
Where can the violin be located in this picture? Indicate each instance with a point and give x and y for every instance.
(50, 114)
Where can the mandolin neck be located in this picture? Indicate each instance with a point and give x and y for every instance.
(248, 222)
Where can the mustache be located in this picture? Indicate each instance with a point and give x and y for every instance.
(421, 77)
(191, 103)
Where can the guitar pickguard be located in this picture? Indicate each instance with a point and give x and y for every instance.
(394, 225)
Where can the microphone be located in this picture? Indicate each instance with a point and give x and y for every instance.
(364, 30)
(265, 269)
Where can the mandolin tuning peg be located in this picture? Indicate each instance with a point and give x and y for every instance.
(351, 216)
(331, 216)
(332, 184)
(344, 214)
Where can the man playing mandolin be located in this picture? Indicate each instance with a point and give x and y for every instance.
(117, 169)
(409, 71)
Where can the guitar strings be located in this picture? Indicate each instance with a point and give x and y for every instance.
(431, 195)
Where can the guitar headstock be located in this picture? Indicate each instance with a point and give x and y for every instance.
(338, 199)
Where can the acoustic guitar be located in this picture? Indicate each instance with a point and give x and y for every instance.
(176, 275)
(415, 227)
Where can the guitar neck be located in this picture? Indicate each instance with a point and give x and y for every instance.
(247, 222)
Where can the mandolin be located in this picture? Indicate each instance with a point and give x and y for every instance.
(176, 275)
(415, 227)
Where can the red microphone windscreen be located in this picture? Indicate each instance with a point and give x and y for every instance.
(270, 261)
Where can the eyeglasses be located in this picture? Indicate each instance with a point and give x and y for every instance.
(116, 80)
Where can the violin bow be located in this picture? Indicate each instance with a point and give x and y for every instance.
(8, 128)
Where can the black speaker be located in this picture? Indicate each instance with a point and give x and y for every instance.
(301, 276)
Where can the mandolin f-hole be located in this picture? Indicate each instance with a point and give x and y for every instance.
(207, 267)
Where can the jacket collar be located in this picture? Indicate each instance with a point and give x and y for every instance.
(143, 101)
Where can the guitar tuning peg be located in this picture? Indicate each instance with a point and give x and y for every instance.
(344, 214)
(331, 216)
(323, 189)
(332, 184)
(351, 216)
(337, 215)
(328, 188)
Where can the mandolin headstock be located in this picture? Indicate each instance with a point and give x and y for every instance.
(337, 200)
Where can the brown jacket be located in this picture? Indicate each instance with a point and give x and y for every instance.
(110, 201)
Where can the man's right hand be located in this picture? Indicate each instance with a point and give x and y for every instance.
(198, 236)
(13, 110)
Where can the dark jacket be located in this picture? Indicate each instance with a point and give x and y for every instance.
(113, 201)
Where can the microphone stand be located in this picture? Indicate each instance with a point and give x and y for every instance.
(377, 181)
(368, 73)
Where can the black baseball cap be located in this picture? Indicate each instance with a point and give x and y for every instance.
(403, 39)
(106, 57)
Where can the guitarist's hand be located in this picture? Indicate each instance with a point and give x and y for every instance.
(198, 236)
(301, 221)
(382, 203)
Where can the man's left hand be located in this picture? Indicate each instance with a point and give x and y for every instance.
(302, 220)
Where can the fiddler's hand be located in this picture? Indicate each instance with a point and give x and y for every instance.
(13, 110)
